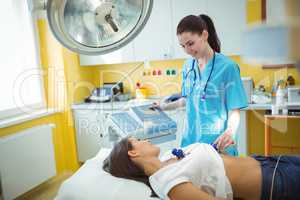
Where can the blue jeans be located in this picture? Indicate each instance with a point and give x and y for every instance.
(287, 178)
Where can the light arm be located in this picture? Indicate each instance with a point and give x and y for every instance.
(187, 191)
(227, 138)
(173, 105)
(233, 121)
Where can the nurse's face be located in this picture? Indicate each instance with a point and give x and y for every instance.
(143, 148)
(193, 44)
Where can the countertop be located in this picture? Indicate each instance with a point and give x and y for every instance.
(119, 105)
(122, 105)
(116, 105)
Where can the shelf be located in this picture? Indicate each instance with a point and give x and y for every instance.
(288, 65)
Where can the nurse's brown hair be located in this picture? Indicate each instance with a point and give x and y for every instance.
(196, 24)
(119, 164)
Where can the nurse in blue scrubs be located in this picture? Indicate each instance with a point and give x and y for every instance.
(212, 90)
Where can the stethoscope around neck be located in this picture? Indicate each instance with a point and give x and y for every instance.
(203, 95)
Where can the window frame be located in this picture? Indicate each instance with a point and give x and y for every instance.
(18, 110)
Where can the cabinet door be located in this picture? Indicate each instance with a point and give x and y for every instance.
(154, 42)
(276, 11)
(179, 116)
(122, 55)
(89, 133)
(229, 18)
(181, 9)
(242, 135)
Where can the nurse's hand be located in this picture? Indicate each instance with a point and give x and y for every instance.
(224, 140)
(165, 104)
(162, 104)
(156, 105)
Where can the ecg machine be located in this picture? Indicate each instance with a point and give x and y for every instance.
(142, 123)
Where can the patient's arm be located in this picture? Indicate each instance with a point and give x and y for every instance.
(187, 191)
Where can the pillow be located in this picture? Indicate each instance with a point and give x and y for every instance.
(91, 182)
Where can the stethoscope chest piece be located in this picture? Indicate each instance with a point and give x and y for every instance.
(178, 153)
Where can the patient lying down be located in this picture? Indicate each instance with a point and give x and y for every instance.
(205, 174)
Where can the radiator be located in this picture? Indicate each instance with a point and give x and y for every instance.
(26, 160)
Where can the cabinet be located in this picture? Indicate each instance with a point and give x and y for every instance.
(155, 40)
(158, 40)
(229, 18)
(122, 55)
(242, 135)
(180, 10)
(179, 116)
(276, 11)
(230, 21)
(89, 132)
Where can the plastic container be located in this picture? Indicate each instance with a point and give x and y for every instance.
(290, 80)
(275, 109)
(294, 94)
(141, 93)
(124, 97)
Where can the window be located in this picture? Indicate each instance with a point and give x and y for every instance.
(21, 82)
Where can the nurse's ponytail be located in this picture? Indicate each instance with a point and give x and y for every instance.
(213, 39)
(196, 24)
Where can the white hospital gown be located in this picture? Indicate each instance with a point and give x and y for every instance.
(202, 166)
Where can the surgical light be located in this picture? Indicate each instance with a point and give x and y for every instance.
(95, 27)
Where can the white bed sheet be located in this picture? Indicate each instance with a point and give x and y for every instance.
(90, 182)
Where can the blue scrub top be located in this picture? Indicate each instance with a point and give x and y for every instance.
(207, 119)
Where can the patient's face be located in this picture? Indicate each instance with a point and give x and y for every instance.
(144, 147)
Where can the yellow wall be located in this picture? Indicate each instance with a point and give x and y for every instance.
(156, 85)
(167, 85)
(164, 85)
(284, 132)
(61, 160)
(254, 11)
(64, 80)
(63, 73)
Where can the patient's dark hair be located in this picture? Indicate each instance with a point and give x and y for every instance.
(119, 164)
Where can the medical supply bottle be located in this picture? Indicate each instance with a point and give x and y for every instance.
(290, 80)
(280, 98)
